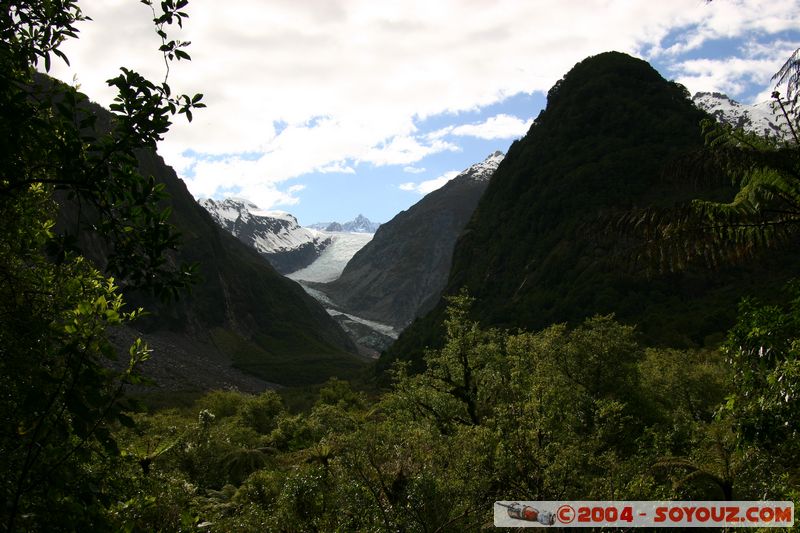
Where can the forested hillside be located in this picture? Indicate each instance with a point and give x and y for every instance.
(587, 413)
(265, 323)
(544, 246)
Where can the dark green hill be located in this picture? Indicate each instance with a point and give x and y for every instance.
(535, 253)
(241, 313)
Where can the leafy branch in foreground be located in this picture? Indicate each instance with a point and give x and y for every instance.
(61, 391)
(59, 143)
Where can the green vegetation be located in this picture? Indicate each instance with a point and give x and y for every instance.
(763, 215)
(61, 399)
(586, 413)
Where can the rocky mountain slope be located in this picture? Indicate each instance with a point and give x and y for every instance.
(401, 271)
(276, 236)
(538, 249)
(307, 255)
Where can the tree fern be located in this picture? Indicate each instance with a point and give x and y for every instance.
(764, 213)
(789, 75)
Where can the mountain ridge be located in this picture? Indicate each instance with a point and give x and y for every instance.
(401, 271)
(360, 224)
(264, 323)
(276, 236)
(242, 316)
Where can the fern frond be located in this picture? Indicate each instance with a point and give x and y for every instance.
(765, 212)
(789, 74)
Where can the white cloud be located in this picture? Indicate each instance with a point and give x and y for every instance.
(337, 167)
(725, 75)
(266, 194)
(731, 19)
(413, 170)
(497, 127)
(732, 75)
(298, 150)
(424, 187)
(370, 70)
(405, 149)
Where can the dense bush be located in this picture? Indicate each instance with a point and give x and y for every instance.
(584, 413)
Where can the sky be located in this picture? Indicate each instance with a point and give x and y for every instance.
(332, 108)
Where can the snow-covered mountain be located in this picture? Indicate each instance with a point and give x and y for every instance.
(757, 118)
(275, 235)
(484, 170)
(360, 224)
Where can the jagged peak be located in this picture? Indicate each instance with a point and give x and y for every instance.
(360, 224)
